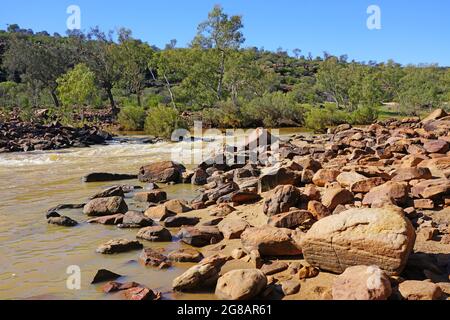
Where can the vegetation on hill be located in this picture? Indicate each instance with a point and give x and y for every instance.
(216, 76)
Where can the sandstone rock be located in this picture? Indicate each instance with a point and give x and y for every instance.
(62, 221)
(362, 283)
(199, 177)
(115, 191)
(185, 255)
(292, 219)
(439, 167)
(222, 210)
(141, 294)
(241, 284)
(112, 220)
(163, 172)
(154, 196)
(324, 176)
(436, 146)
(105, 207)
(364, 186)
(408, 174)
(134, 219)
(431, 188)
(307, 272)
(419, 290)
(158, 213)
(435, 115)
(308, 163)
(155, 234)
(270, 241)
(290, 287)
(200, 236)
(103, 275)
(119, 246)
(150, 257)
(382, 237)
(113, 286)
(346, 179)
(336, 196)
(424, 204)
(237, 254)
(283, 198)
(274, 267)
(233, 228)
(177, 206)
(243, 197)
(318, 210)
(394, 191)
(273, 177)
(204, 275)
(179, 221)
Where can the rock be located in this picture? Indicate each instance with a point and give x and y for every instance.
(177, 206)
(424, 204)
(362, 283)
(334, 197)
(113, 286)
(318, 210)
(439, 167)
(408, 174)
(274, 267)
(346, 179)
(270, 241)
(152, 258)
(222, 210)
(213, 222)
(388, 192)
(178, 221)
(52, 214)
(106, 177)
(200, 236)
(162, 172)
(364, 186)
(382, 237)
(62, 221)
(119, 246)
(308, 163)
(233, 228)
(115, 191)
(243, 197)
(307, 272)
(134, 219)
(435, 115)
(105, 207)
(238, 254)
(431, 188)
(273, 177)
(241, 284)
(426, 233)
(202, 276)
(419, 290)
(141, 294)
(200, 177)
(185, 255)
(292, 219)
(324, 176)
(103, 275)
(112, 220)
(290, 287)
(155, 234)
(283, 198)
(158, 213)
(155, 196)
(436, 146)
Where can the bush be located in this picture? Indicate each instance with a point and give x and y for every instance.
(225, 115)
(162, 121)
(319, 119)
(364, 115)
(132, 118)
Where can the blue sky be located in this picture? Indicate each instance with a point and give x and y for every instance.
(412, 31)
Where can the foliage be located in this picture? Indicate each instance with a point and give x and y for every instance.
(132, 117)
(162, 121)
(319, 119)
(77, 87)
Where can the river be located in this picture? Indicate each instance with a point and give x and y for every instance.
(34, 256)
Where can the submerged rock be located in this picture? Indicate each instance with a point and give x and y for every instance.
(106, 177)
(119, 246)
(105, 207)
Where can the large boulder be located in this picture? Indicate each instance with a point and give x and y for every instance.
(388, 192)
(408, 174)
(346, 179)
(200, 236)
(282, 199)
(362, 283)
(163, 172)
(429, 189)
(233, 228)
(419, 290)
(334, 197)
(241, 284)
(270, 241)
(273, 177)
(135, 219)
(439, 167)
(105, 207)
(381, 237)
(155, 234)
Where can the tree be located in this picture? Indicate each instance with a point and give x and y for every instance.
(132, 57)
(77, 86)
(332, 80)
(223, 34)
(98, 55)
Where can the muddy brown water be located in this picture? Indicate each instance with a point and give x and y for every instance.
(34, 256)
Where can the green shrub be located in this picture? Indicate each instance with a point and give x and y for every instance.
(132, 118)
(319, 119)
(364, 115)
(224, 115)
(162, 121)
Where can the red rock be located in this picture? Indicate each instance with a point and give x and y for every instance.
(365, 186)
(324, 176)
(163, 172)
(436, 146)
(398, 192)
(141, 293)
(419, 290)
(318, 210)
(155, 196)
(424, 204)
(336, 196)
(292, 219)
(282, 200)
(408, 174)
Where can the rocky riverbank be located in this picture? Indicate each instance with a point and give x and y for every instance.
(358, 213)
(17, 136)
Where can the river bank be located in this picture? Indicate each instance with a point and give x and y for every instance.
(266, 215)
